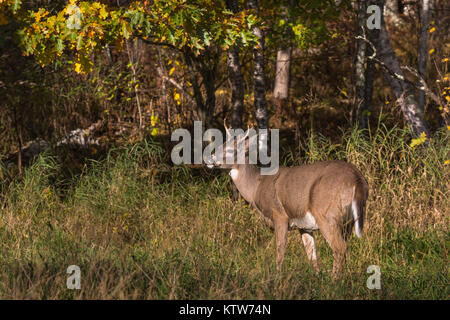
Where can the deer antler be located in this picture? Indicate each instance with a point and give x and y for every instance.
(225, 126)
(246, 134)
(227, 130)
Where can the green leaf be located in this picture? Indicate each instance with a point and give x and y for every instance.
(126, 30)
(59, 45)
(16, 5)
(80, 42)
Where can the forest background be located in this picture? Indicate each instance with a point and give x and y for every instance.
(90, 92)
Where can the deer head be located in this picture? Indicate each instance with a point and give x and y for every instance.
(235, 150)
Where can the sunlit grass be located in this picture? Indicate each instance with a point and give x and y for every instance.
(139, 228)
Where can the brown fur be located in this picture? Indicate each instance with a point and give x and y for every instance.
(321, 195)
(324, 189)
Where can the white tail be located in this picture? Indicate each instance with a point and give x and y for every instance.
(329, 196)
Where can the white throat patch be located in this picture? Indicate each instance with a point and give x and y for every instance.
(234, 173)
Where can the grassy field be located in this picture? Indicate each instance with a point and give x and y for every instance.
(139, 228)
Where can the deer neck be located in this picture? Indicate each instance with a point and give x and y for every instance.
(246, 178)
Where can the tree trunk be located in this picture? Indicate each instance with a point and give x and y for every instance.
(236, 79)
(282, 75)
(403, 91)
(237, 87)
(369, 76)
(360, 75)
(423, 50)
(259, 74)
(364, 77)
(393, 9)
(209, 81)
(202, 65)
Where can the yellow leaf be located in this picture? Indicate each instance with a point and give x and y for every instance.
(420, 140)
(78, 68)
(432, 30)
(96, 5)
(154, 132)
(431, 51)
(447, 162)
(153, 120)
(176, 96)
(445, 59)
(103, 13)
(171, 71)
(447, 98)
(83, 65)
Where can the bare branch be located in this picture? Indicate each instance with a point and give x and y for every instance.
(176, 85)
(424, 87)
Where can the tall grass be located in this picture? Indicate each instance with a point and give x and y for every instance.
(139, 228)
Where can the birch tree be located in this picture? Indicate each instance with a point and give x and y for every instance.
(262, 116)
(402, 89)
(423, 49)
(364, 66)
(235, 75)
(360, 55)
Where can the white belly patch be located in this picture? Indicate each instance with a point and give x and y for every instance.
(307, 222)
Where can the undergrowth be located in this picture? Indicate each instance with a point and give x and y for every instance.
(139, 227)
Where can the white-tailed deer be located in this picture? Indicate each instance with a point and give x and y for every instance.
(329, 196)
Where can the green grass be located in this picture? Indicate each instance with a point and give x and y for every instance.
(139, 228)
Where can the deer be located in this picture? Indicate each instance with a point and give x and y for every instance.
(329, 196)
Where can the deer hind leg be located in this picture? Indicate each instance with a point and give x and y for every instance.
(310, 247)
(339, 254)
(333, 234)
(281, 228)
(348, 223)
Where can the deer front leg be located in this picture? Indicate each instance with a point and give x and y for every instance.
(281, 229)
